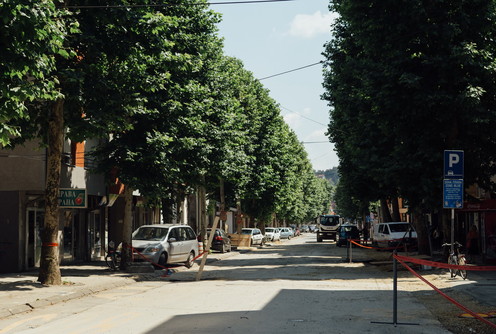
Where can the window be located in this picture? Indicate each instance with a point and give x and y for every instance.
(174, 233)
(190, 234)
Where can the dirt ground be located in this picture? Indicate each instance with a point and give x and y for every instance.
(446, 312)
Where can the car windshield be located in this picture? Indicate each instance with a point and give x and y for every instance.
(398, 227)
(329, 220)
(269, 230)
(150, 233)
(245, 231)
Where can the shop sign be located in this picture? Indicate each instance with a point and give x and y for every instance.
(72, 198)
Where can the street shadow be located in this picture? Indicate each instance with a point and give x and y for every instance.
(304, 311)
(24, 285)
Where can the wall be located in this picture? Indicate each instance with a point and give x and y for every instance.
(23, 168)
(10, 247)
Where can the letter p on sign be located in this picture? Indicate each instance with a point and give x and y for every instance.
(453, 164)
(453, 159)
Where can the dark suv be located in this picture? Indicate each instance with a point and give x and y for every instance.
(221, 241)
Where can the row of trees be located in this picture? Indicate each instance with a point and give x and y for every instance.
(407, 80)
(172, 112)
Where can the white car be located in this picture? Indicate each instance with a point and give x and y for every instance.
(161, 244)
(285, 233)
(272, 234)
(392, 234)
(257, 237)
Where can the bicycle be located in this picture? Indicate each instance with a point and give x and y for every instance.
(113, 257)
(456, 258)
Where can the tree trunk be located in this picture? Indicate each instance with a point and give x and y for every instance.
(396, 210)
(422, 233)
(203, 213)
(222, 208)
(167, 215)
(385, 213)
(127, 229)
(49, 263)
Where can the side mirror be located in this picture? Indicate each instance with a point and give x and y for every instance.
(172, 240)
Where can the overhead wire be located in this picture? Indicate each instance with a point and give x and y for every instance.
(170, 5)
(293, 70)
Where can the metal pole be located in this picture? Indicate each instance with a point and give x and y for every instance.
(347, 253)
(351, 251)
(395, 289)
(452, 231)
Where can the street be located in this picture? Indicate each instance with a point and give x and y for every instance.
(296, 286)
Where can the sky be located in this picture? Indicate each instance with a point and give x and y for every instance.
(274, 37)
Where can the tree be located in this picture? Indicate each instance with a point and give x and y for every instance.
(400, 67)
(144, 90)
(33, 41)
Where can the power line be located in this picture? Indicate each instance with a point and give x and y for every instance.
(315, 142)
(293, 70)
(302, 116)
(170, 5)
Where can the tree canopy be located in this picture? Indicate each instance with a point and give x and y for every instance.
(406, 80)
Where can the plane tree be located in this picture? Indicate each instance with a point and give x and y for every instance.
(405, 81)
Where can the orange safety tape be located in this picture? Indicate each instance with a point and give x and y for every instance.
(454, 302)
(371, 247)
(445, 265)
(49, 244)
(360, 245)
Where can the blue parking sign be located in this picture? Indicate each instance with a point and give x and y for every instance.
(453, 164)
(453, 194)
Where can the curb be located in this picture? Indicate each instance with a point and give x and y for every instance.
(52, 300)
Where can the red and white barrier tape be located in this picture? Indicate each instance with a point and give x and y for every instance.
(454, 302)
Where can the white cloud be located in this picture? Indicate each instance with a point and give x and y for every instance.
(307, 26)
(293, 120)
(317, 136)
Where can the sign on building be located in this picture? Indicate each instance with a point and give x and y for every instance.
(72, 198)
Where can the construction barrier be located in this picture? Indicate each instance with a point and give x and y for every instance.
(404, 259)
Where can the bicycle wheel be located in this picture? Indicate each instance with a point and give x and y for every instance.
(110, 261)
(462, 262)
(451, 261)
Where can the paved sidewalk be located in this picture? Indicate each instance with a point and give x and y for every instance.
(21, 292)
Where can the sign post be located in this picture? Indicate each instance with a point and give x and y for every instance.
(453, 186)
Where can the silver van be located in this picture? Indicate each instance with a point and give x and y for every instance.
(165, 244)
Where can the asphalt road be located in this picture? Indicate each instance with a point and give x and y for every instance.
(296, 286)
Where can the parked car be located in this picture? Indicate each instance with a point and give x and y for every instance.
(286, 233)
(165, 244)
(272, 234)
(257, 237)
(221, 241)
(305, 229)
(392, 234)
(345, 232)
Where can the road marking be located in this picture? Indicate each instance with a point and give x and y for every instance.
(46, 318)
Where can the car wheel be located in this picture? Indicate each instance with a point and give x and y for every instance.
(162, 261)
(189, 261)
